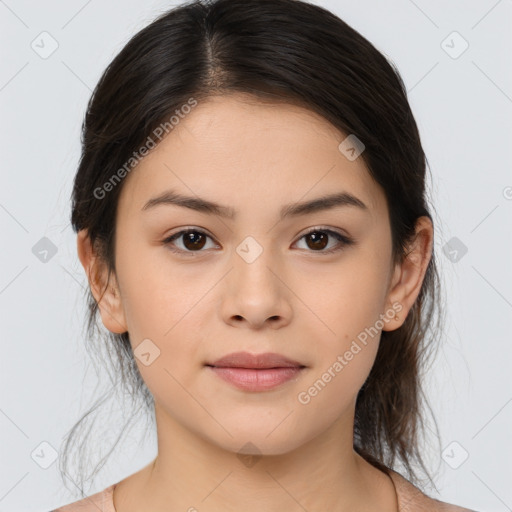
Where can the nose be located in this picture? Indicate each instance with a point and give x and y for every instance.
(255, 293)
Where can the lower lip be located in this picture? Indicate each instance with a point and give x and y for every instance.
(250, 379)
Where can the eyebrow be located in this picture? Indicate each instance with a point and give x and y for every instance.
(198, 204)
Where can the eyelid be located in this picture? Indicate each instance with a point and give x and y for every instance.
(327, 229)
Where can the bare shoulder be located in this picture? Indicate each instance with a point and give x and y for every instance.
(412, 499)
(101, 501)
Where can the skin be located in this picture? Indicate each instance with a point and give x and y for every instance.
(293, 299)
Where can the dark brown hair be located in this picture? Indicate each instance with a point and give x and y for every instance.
(283, 51)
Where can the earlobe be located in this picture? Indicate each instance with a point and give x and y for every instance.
(408, 276)
(106, 294)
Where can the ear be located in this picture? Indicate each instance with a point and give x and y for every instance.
(408, 276)
(106, 294)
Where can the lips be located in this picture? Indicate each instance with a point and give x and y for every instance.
(255, 361)
(256, 372)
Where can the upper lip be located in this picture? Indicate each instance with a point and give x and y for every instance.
(248, 360)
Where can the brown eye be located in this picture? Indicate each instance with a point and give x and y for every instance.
(318, 239)
(192, 240)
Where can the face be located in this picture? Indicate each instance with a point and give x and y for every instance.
(309, 284)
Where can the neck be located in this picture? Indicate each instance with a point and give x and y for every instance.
(191, 473)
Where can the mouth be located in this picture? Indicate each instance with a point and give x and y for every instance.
(256, 372)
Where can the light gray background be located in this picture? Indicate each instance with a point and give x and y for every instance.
(463, 107)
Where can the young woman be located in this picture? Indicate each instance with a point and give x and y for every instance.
(251, 215)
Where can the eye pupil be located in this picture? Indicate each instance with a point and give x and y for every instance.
(319, 240)
(192, 237)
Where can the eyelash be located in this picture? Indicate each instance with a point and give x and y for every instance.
(344, 240)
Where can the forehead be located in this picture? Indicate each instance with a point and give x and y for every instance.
(239, 151)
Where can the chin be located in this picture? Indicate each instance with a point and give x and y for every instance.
(255, 442)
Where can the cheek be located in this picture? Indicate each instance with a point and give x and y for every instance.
(164, 306)
(155, 294)
(349, 304)
(337, 377)
(163, 335)
(349, 299)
